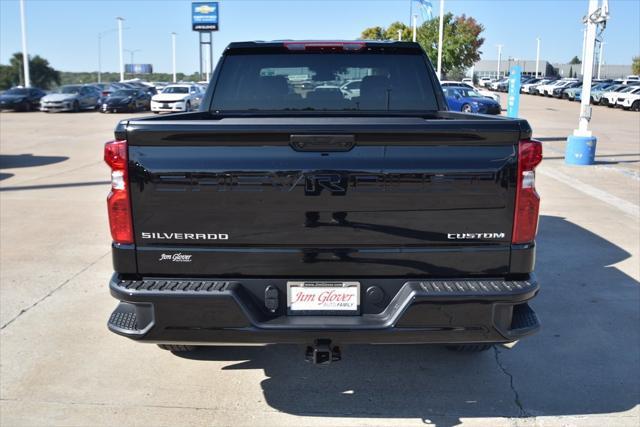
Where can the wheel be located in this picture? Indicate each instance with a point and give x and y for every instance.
(26, 107)
(176, 348)
(76, 106)
(603, 101)
(156, 112)
(469, 348)
(187, 107)
(466, 108)
(635, 106)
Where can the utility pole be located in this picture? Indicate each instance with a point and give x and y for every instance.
(121, 52)
(440, 36)
(25, 55)
(537, 56)
(499, 58)
(399, 35)
(173, 55)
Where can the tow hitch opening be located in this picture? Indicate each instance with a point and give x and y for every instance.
(322, 352)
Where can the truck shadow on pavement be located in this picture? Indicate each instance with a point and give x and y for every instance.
(584, 361)
(11, 161)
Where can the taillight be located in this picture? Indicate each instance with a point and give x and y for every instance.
(118, 203)
(525, 219)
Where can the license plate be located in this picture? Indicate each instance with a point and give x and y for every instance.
(165, 106)
(313, 298)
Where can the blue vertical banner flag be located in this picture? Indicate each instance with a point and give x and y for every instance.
(513, 98)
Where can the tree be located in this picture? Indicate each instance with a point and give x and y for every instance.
(635, 66)
(575, 60)
(41, 73)
(461, 40)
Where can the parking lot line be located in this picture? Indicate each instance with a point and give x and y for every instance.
(608, 198)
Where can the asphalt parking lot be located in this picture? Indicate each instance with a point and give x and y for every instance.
(60, 365)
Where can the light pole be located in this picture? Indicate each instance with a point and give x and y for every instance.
(537, 55)
(100, 52)
(132, 52)
(25, 55)
(173, 55)
(415, 27)
(600, 60)
(584, 47)
(499, 58)
(440, 35)
(121, 53)
(581, 145)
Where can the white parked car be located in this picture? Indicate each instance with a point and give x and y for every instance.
(526, 87)
(483, 92)
(484, 81)
(178, 97)
(468, 80)
(547, 90)
(351, 89)
(629, 100)
(610, 98)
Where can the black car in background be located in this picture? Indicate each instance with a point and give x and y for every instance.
(21, 99)
(126, 100)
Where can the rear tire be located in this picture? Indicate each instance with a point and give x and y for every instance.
(469, 348)
(635, 106)
(176, 348)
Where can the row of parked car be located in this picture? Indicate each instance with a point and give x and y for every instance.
(623, 93)
(128, 97)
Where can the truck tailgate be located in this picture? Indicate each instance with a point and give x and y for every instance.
(311, 197)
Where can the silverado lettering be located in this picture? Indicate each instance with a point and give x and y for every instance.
(184, 236)
(342, 183)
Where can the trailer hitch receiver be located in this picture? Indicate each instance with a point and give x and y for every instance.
(322, 352)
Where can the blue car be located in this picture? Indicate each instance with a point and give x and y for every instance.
(460, 98)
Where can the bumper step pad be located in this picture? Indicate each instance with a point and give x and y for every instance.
(476, 287)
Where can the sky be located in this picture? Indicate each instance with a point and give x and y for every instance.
(66, 32)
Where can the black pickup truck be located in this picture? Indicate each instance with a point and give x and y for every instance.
(323, 195)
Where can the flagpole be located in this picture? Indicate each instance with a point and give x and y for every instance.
(440, 31)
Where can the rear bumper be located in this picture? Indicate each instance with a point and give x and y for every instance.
(182, 311)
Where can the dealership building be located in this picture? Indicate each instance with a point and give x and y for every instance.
(489, 68)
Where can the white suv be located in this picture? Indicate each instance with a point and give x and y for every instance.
(628, 98)
(178, 97)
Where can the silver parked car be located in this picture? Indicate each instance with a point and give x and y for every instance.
(71, 98)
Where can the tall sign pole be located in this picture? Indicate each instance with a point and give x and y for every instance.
(440, 36)
(205, 20)
(581, 146)
(25, 55)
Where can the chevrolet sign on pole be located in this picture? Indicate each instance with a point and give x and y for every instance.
(204, 16)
